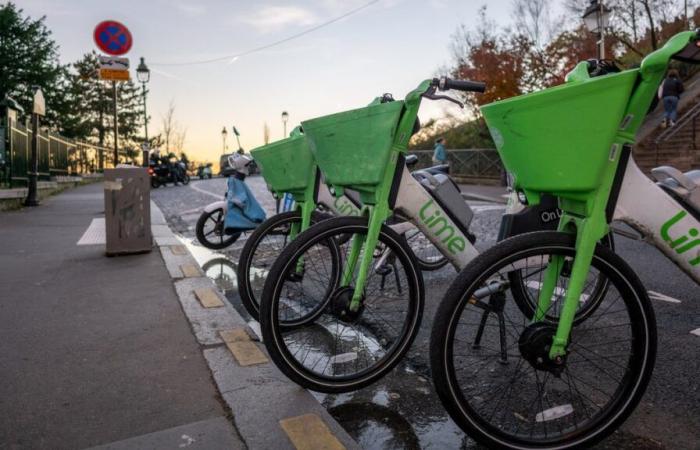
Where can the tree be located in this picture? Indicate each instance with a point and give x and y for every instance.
(29, 59)
(89, 112)
(497, 60)
(168, 126)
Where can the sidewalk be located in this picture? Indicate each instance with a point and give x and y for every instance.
(133, 352)
(95, 349)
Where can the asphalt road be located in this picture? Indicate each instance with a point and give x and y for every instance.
(402, 410)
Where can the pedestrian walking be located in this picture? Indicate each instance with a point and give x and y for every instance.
(671, 90)
(440, 153)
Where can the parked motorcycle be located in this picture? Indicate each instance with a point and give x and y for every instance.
(163, 172)
(204, 171)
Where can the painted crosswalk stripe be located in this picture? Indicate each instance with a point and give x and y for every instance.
(204, 191)
(95, 233)
(696, 332)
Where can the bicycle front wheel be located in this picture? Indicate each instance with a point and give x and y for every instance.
(343, 348)
(210, 230)
(490, 362)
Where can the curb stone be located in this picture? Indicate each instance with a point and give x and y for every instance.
(260, 396)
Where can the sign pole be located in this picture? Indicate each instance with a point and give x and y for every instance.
(33, 164)
(116, 124)
(38, 109)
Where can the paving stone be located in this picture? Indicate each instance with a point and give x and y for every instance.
(208, 298)
(309, 432)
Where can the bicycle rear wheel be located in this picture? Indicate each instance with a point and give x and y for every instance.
(259, 253)
(491, 366)
(341, 350)
(428, 256)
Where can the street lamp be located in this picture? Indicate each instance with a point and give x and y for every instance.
(596, 18)
(238, 140)
(285, 118)
(223, 136)
(144, 75)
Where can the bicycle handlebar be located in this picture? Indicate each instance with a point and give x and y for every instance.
(445, 84)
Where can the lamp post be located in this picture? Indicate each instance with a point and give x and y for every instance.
(596, 18)
(144, 75)
(223, 136)
(285, 118)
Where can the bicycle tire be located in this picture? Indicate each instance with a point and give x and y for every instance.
(273, 330)
(249, 297)
(458, 297)
(224, 240)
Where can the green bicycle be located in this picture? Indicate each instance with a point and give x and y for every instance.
(369, 311)
(288, 166)
(541, 380)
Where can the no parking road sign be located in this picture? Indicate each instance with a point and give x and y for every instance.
(112, 37)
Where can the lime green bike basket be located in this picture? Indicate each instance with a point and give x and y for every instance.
(559, 140)
(287, 165)
(352, 148)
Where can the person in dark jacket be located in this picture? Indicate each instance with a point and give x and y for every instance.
(671, 90)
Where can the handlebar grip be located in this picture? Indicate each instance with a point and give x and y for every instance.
(461, 85)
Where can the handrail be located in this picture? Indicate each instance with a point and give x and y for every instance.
(668, 133)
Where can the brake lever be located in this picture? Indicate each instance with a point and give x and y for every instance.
(432, 96)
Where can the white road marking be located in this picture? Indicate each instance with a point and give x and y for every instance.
(696, 332)
(255, 326)
(558, 291)
(483, 208)
(192, 211)
(661, 297)
(203, 191)
(95, 233)
(554, 413)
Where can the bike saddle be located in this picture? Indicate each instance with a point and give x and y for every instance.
(683, 186)
(411, 160)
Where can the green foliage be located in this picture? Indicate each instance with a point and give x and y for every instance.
(29, 59)
(90, 115)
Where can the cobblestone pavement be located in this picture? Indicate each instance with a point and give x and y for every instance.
(402, 410)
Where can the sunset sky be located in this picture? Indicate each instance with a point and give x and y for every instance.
(390, 46)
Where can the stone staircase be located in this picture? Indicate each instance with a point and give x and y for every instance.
(678, 146)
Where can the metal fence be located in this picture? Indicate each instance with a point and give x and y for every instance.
(467, 164)
(57, 155)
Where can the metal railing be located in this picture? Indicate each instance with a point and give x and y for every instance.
(688, 119)
(57, 155)
(475, 164)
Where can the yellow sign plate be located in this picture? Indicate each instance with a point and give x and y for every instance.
(114, 75)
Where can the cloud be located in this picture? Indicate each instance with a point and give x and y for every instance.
(272, 18)
(191, 9)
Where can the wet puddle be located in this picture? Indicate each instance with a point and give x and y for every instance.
(401, 411)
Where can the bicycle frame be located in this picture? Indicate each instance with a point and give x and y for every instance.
(401, 192)
(659, 218)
